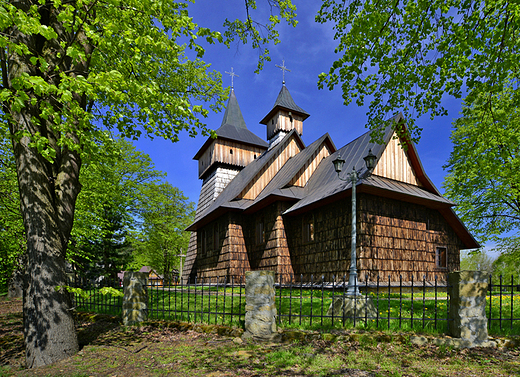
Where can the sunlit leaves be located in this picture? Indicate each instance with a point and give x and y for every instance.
(484, 167)
(406, 55)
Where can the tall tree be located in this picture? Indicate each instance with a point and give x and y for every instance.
(12, 237)
(116, 186)
(161, 238)
(484, 167)
(64, 65)
(408, 55)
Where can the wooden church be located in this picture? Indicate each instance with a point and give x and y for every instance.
(280, 205)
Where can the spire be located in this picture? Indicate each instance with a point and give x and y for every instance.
(285, 101)
(233, 115)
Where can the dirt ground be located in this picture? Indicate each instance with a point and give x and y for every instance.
(138, 351)
(110, 349)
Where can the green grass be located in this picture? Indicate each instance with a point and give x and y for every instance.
(307, 309)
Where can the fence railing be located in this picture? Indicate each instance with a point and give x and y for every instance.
(400, 306)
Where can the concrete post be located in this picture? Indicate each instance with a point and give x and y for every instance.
(260, 320)
(467, 290)
(135, 300)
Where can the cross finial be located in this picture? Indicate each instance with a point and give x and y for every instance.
(232, 74)
(283, 68)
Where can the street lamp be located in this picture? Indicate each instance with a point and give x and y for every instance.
(370, 162)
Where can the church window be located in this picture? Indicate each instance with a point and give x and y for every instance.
(308, 228)
(260, 232)
(441, 257)
(231, 151)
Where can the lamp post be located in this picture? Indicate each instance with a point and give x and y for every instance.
(370, 162)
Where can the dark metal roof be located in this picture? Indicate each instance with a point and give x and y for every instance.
(233, 128)
(325, 187)
(233, 115)
(227, 198)
(285, 101)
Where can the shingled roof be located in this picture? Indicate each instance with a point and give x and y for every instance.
(324, 186)
(233, 127)
(285, 101)
(227, 200)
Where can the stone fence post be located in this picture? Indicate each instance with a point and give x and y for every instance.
(260, 320)
(467, 312)
(135, 300)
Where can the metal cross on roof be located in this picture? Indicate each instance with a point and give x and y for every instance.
(283, 68)
(232, 74)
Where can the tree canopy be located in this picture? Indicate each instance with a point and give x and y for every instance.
(408, 55)
(70, 71)
(484, 167)
(161, 239)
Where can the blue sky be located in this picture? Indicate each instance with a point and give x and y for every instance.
(307, 50)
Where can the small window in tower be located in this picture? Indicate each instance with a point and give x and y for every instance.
(290, 118)
(231, 151)
(441, 257)
(272, 121)
(254, 156)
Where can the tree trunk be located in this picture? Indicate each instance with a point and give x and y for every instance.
(48, 191)
(48, 207)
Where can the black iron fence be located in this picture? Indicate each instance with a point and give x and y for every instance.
(399, 306)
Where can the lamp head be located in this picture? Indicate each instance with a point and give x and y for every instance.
(338, 164)
(370, 160)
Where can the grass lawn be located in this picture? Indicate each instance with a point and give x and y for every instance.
(154, 349)
(422, 312)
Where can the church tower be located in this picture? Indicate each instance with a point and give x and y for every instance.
(284, 116)
(220, 160)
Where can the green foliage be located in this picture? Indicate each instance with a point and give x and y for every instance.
(484, 167)
(477, 261)
(12, 235)
(162, 238)
(508, 262)
(127, 215)
(85, 294)
(69, 72)
(407, 56)
(252, 30)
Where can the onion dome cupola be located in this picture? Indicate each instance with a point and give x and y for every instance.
(235, 146)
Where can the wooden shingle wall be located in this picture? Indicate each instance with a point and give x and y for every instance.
(225, 258)
(399, 239)
(273, 253)
(394, 164)
(394, 239)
